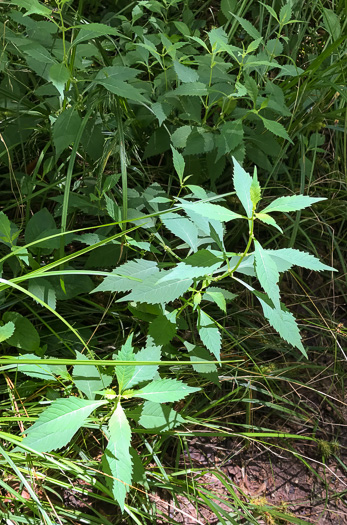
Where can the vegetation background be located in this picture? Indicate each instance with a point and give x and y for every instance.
(119, 125)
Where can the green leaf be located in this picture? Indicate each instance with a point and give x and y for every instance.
(88, 379)
(6, 331)
(218, 298)
(267, 273)
(94, 30)
(285, 13)
(25, 335)
(114, 79)
(57, 425)
(191, 89)
(124, 373)
(255, 189)
(59, 76)
(192, 268)
(154, 292)
(231, 136)
(128, 275)
(117, 460)
(297, 258)
(33, 7)
(6, 230)
(197, 354)
(145, 372)
(165, 391)
(162, 329)
(228, 296)
(228, 7)
(210, 211)
(180, 136)
(267, 219)
(158, 110)
(183, 228)
(292, 203)
(248, 27)
(35, 231)
(65, 129)
(331, 23)
(209, 334)
(252, 88)
(43, 290)
(160, 417)
(184, 73)
(179, 163)
(276, 128)
(242, 185)
(39, 371)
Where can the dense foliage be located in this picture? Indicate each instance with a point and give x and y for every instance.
(159, 162)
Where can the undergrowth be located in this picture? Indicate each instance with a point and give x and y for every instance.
(164, 278)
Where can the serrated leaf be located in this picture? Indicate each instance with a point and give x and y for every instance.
(160, 417)
(185, 270)
(65, 129)
(191, 89)
(57, 425)
(117, 460)
(124, 373)
(43, 290)
(159, 112)
(267, 219)
(32, 7)
(298, 258)
(6, 331)
(252, 87)
(196, 354)
(180, 136)
(285, 13)
(231, 136)
(242, 185)
(228, 7)
(145, 372)
(165, 391)
(267, 273)
(114, 79)
(162, 329)
(183, 228)
(228, 296)
(276, 128)
(124, 275)
(184, 73)
(59, 76)
(292, 203)
(88, 379)
(25, 335)
(255, 189)
(93, 30)
(209, 334)
(199, 141)
(218, 298)
(39, 371)
(210, 211)
(248, 27)
(152, 292)
(5, 229)
(179, 163)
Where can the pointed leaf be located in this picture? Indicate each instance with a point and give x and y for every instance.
(184, 73)
(145, 372)
(162, 329)
(165, 391)
(25, 335)
(65, 129)
(267, 219)
(209, 334)
(242, 185)
(298, 258)
(57, 425)
(267, 273)
(124, 373)
(128, 275)
(248, 27)
(88, 379)
(154, 292)
(160, 417)
(59, 76)
(183, 228)
(292, 203)
(191, 89)
(276, 128)
(6, 331)
(211, 211)
(179, 163)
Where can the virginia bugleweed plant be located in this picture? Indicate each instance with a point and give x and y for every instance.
(135, 248)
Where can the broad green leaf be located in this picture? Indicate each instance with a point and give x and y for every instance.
(248, 27)
(25, 335)
(192, 268)
(209, 334)
(292, 203)
(197, 354)
(276, 128)
(180, 136)
(165, 391)
(94, 30)
(88, 379)
(231, 136)
(124, 373)
(228, 296)
(160, 417)
(297, 258)
(199, 141)
(128, 275)
(267, 219)
(154, 292)
(39, 371)
(6, 331)
(57, 425)
(33, 7)
(59, 75)
(43, 290)
(218, 38)
(38, 52)
(65, 129)
(242, 185)
(35, 231)
(191, 89)
(182, 227)
(331, 23)
(210, 211)
(179, 163)
(114, 79)
(145, 372)
(218, 298)
(5, 229)
(285, 13)
(228, 7)
(267, 273)
(162, 329)
(158, 110)
(184, 73)
(252, 87)
(117, 459)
